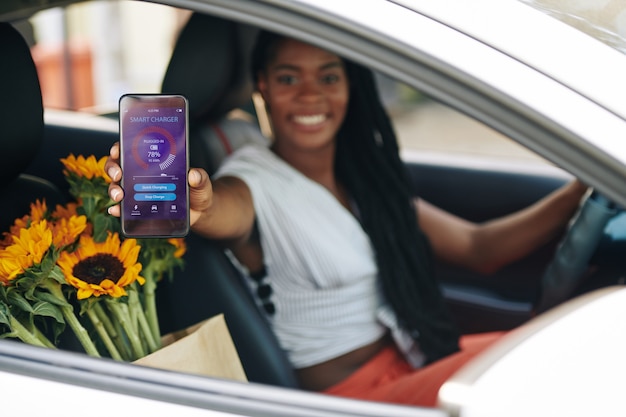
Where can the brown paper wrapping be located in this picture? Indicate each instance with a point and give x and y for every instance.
(205, 349)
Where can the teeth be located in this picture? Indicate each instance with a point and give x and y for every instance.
(310, 120)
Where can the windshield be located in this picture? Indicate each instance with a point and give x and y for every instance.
(605, 20)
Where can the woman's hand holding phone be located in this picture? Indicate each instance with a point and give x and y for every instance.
(198, 181)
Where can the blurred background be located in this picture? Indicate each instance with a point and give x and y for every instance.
(94, 45)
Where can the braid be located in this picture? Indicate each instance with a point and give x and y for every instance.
(369, 165)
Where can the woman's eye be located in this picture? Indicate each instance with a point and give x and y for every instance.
(287, 79)
(330, 78)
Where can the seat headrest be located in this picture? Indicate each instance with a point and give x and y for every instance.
(210, 66)
(21, 107)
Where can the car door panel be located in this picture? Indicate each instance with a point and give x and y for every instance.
(504, 299)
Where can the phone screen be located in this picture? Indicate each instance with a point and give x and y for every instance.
(154, 160)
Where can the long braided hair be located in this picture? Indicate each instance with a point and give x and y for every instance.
(368, 164)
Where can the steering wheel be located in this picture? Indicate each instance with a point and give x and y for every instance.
(571, 259)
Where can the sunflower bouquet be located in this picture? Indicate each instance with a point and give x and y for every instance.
(69, 268)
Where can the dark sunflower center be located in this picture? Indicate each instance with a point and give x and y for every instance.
(97, 268)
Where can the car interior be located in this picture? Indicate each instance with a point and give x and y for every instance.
(22, 111)
(209, 65)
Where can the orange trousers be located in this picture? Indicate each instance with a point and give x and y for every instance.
(389, 378)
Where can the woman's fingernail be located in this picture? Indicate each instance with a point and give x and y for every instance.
(114, 194)
(194, 176)
(112, 173)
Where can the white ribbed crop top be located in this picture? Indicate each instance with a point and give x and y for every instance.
(319, 263)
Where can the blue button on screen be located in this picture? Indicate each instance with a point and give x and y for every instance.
(155, 197)
(146, 188)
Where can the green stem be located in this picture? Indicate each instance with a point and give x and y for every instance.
(132, 314)
(71, 319)
(149, 291)
(133, 324)
(132, 319)
(123, 319)
(24, 334)
(42, 337)
(146, 331)
(112, 330)
(79, 330)
(106, 339)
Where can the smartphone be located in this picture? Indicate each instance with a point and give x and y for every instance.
(154, 156)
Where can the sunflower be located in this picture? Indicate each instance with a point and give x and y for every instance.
(38, 212)
(66, 230)
(179, 244)
(89, 167)
(65, 212)
(27, 249)
(105, 268)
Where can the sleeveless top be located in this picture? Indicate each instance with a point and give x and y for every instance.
(319, 262)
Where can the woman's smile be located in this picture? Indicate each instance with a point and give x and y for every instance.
(310, 120)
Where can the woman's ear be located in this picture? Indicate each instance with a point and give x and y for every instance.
(262, 87)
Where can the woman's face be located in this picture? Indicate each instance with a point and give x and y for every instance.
(306, 90)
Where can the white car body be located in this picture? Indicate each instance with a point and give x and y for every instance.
(502, 62)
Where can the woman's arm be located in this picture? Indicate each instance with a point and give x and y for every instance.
(488, 246)
(221, 210)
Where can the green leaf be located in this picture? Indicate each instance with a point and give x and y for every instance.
(3, 294)
(101, 225)
(46, 309)
(5, 314)
(16, 299)
(89, 203)
(57, 274)
(47, 297)
(48, 261)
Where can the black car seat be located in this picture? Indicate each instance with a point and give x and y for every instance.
(209, 66)
(21, 118)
